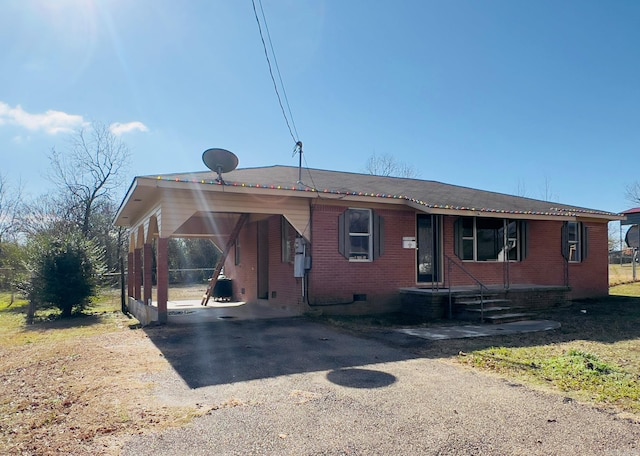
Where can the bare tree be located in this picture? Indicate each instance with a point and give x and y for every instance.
(614, 237)
(47, 214)
(521, 189)
(633, 193)
(10, 202)
(386, 165)
(546, 192)
(87, 174)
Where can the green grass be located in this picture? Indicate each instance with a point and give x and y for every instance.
(570, 370)
(594, 357)
(631, 290)
(103, 316)
(619, 274)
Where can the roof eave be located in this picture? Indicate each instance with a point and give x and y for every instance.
(125, 201)
(302, 191)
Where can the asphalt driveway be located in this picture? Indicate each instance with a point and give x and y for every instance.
(295, 387)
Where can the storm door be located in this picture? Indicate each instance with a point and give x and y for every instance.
(428, 248)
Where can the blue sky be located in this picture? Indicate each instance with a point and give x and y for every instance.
(523, 97)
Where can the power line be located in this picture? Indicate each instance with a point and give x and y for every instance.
(273, 79)
(275, 61)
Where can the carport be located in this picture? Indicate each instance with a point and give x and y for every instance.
(157, 208)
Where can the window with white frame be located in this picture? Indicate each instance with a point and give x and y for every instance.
(361, 235)
(575, 236)
(490, 239)
(573, 241)
(359, 243)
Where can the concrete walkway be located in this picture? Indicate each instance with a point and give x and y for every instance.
(190, 311)
(461, 332)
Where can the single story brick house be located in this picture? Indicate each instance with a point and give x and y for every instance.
(336, 242)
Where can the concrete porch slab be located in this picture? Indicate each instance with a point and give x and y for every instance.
(460, 332)
(190, 311)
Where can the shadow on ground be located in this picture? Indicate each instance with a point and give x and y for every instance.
(228, 351)
(608, 320)
(55, 321)
(215, 353)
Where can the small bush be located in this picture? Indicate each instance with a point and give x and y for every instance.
(64, 272)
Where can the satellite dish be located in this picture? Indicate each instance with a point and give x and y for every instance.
(633, 237)
(220, 161)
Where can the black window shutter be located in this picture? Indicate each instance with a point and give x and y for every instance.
(524, 233)
(565, 240)
(585, 242)
(457, 237)
(378, 236)
(342, 236)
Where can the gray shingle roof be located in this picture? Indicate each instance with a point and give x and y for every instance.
(427, 193)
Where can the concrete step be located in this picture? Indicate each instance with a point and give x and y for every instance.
(472, 302)
(507, 317)
(490, 309)
(475, 296)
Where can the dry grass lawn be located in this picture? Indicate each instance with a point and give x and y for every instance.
(77, 387)
(81, 386)
(620, 274)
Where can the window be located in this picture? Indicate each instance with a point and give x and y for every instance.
(575, 238)
(287, 241)
(361, 235)
(236, 249)
(490, 239)
(359, 241)
(468, 238)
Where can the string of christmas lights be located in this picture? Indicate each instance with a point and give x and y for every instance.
(554, 211)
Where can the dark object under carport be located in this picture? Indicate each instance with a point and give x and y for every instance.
(223, 290)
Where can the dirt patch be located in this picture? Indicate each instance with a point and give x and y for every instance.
(81, 396)
(185, 292)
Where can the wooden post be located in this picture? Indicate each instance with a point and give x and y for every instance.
(131, 275)
(163, 279)
(147, 261)
(123, 298)
(137, 264)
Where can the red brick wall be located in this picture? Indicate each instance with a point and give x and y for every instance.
(285, 291)
(590, 279)
(244, 274)
(333, 279)
(544, 264)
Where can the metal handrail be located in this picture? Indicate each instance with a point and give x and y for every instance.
(482, 286)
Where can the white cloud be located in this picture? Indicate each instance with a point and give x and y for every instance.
(119, 129)
(20, 139)
(54, 122)
(51, 122)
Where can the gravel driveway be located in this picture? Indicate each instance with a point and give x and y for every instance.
(295, 387)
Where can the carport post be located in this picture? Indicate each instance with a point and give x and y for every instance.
(131, 275)
(163, 278)
(137, 264)
(147, 252)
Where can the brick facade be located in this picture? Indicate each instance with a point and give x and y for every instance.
(243, 270)
(333, 279)
(590, 279)
(336, 285)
